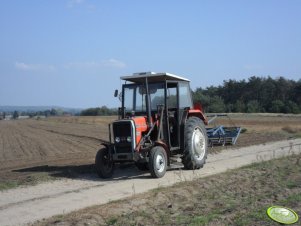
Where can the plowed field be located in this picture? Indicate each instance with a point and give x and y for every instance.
(26, 144)
(31, 142)
(66, 146)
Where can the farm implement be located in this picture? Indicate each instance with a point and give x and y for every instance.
(221, 135)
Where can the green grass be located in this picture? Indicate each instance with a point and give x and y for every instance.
(237, 197)
(29, 180)
(269, 179)
(8, 185)
(292, 199)
(203, 220)
(112, 221)
(259, 216)
(291, 184)
(255, 216)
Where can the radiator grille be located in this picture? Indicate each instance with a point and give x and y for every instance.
(122, 130)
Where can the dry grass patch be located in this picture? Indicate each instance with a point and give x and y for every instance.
(291, 129)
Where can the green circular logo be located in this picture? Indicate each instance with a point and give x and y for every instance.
(282, 215)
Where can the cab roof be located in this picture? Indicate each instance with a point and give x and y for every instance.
(152, 77)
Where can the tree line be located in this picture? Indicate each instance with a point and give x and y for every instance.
(51, 112)
(104, 110)
(257, 94)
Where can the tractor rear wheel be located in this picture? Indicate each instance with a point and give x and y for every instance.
(196, 144)
(104, 164)
(157, 162)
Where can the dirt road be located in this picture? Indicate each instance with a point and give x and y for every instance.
(24, 205)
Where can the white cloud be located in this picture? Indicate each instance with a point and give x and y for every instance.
(33, 67)
(114, 63)
(85, 4)
(24, 67)
(110, 63)
(73, 3)
(80, 65)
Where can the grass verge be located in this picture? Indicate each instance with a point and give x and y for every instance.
(31, 179)
(237, 197)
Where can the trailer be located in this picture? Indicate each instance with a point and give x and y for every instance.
(222, 135)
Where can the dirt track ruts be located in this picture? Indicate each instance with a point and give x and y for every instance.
(25, 205)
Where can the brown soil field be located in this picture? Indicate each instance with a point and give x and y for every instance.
(261, 128)
(51, 145)
(66, 146)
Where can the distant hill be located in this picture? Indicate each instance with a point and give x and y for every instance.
(38, 108)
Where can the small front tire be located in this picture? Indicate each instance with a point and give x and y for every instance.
(157, 162)
(104, 164)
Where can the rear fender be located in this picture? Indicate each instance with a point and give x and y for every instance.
(198, 113)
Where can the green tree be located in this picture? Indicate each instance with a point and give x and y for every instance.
(104, 110)
(15, 115)
(199, 97)
(216, 105)
(267, 93)
(257, 94)
(277, 106)
(296, 93)
(53, 112)
(253, 106)
(89, 112)
(291, 107)
(239, 106)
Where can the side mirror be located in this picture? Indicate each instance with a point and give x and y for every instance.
(116, 93)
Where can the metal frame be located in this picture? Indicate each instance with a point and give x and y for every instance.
(222, 135)
(153, 77)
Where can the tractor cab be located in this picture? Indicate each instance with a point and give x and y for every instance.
(154, 121)
(147, 94)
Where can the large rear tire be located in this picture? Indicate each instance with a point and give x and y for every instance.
(157, 162)
(104, 164)
(196, 144)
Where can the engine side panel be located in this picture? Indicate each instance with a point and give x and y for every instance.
(141, 127)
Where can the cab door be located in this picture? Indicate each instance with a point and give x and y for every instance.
(172, 114)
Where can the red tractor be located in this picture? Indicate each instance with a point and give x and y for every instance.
(157, 126)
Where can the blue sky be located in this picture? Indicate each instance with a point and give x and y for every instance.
(71, 53)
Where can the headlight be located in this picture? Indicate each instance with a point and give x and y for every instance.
(129, 139)
(117, 139)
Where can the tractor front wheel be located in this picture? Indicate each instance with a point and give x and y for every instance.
(157, 162)
(104, 164)
(196, 144)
